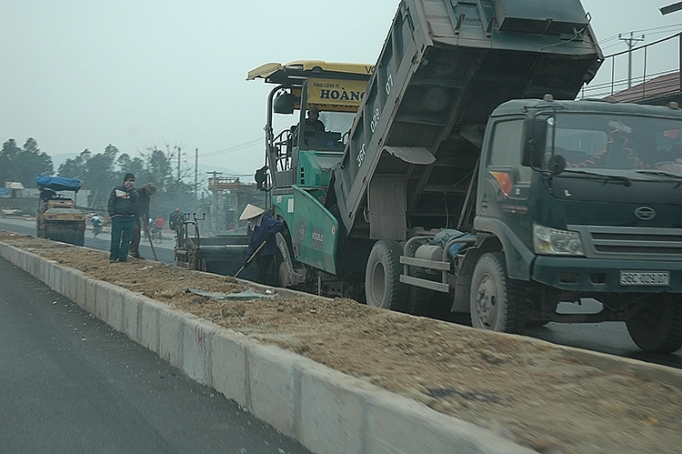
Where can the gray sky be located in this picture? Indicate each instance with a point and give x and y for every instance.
(83, 74)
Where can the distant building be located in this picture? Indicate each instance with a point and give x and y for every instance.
(660, 90)
(13, 190)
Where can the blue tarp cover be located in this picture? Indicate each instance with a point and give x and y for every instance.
(444, 237)
(59, 183)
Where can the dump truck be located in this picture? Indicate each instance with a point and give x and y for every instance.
(473, 184)
(58, 218)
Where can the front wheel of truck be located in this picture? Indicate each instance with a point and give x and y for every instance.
(657, 327)
(496, 301)
(382, 278)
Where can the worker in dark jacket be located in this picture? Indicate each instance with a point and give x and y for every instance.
(176, 222)
(142, 218)
(122, 207)
(263, 229)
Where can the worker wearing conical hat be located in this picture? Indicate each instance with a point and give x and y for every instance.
(263, 229)
(250, 212)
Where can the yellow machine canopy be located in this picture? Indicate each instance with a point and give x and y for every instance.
(336, 87)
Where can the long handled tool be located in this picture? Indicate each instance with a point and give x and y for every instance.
(251, 258)
(151, 243)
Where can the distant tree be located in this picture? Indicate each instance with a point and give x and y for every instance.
(75, 168)
(100, 172)
(33, 162)
(102, 176)
(25, 164)
(136, 166)
(8, 158)
(159, 167)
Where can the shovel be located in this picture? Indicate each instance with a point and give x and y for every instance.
(146, 227)
(251, 258)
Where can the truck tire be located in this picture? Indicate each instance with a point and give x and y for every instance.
(496, 301)
(382, 278)
(657, 327)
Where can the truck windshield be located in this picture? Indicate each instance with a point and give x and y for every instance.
(337, 121)
(336, 128)
(613, 142)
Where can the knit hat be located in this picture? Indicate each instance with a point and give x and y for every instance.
(150, 188)
(250, 212)
(128, 176)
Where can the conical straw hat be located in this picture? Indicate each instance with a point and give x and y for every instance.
(251, 211)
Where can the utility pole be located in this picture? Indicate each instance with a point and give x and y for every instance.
(179, 153)
(631, 41)
(213, 187)
(196, 176)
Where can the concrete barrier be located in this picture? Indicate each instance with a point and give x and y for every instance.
(327, 411)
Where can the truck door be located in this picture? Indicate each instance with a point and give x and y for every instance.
(505, 184)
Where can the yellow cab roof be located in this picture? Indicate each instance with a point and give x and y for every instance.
(295, 72)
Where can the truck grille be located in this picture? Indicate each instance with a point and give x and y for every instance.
(631, 242)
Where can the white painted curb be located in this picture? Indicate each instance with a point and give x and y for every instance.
(327, 411)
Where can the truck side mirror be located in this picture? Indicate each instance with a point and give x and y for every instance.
(536, 139)
(284, 103)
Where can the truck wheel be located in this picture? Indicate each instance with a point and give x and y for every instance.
(657, 327)
(496, 301)
(382, 278)
(281, 271)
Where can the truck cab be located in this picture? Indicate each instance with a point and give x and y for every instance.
(583, 198)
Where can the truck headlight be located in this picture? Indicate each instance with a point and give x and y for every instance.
(549, 241)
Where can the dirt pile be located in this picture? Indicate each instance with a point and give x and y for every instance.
(524, 389)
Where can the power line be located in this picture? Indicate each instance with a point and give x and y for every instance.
(616, 44)
(232, 149)
(661, 29)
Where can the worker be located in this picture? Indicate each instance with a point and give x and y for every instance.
(46, 194)
(176, 222)
(313, 119)
(159, 223)
(122, 207)
(263, 229)
(146, 192)
(175, 219)
(97, 223)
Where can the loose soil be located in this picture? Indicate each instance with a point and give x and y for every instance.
(526, 390)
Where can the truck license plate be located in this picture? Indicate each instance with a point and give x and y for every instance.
(644, 278)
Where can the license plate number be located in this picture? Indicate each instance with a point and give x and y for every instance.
(644, 278)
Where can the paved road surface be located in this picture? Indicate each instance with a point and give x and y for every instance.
(164, 250)
(71, 384)
(607, 337)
